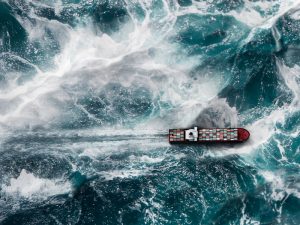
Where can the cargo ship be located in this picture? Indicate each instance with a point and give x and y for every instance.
(208, 135)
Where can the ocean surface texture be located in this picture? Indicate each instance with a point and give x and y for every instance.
(89, 89)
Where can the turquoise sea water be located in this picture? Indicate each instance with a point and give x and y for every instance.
(89, 89)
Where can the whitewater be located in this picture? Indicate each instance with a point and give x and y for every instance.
(89, 89)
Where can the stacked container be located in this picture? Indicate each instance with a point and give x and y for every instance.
(176, 135)
(218, 134)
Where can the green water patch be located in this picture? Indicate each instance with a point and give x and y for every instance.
(43, 213)
(109, 16)
(185, 2)
(211, 35)
(201, 184)
(214, 39)
(261, 207)
(13, 36)
(256, 81)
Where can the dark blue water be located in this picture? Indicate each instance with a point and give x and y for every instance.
(88, 90)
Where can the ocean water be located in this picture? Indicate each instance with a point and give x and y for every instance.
(89, 89)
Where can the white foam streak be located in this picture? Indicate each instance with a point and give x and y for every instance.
(34, 188)
(281, 190)
(69, 61)
(291, 78)
(251, 16)
(130, 173)
(282, 150)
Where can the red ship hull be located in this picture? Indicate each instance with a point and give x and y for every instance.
(208, 135)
